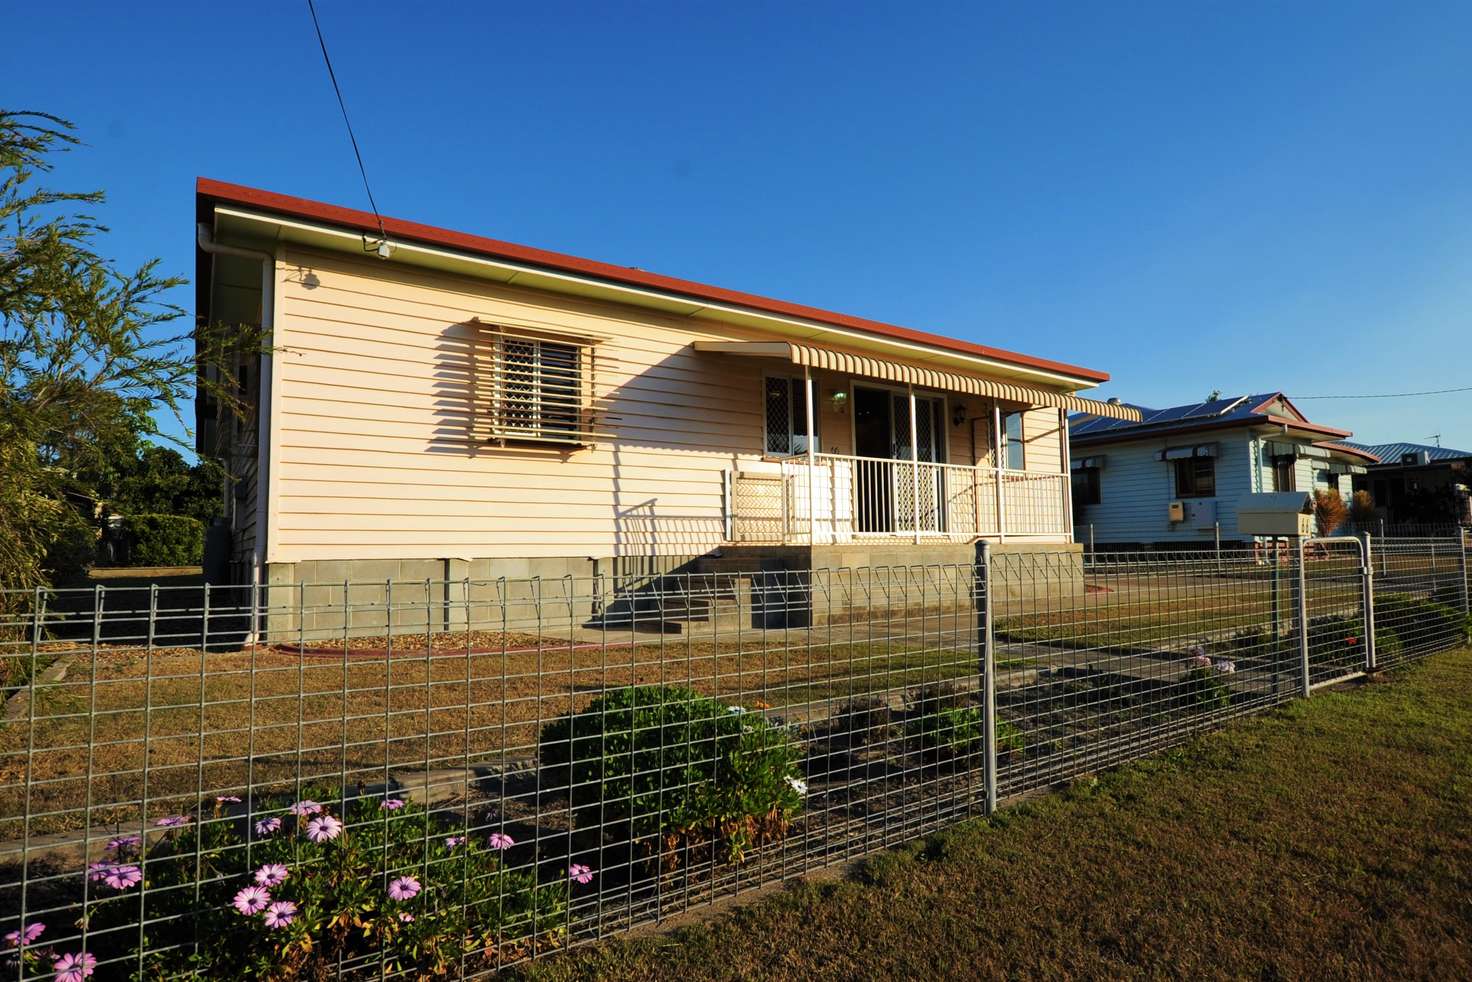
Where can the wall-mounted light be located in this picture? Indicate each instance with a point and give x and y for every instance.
(839, 400)
(958, 415)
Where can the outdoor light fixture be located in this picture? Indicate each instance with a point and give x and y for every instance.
(839, 400)
(382, 248)
(958, 415)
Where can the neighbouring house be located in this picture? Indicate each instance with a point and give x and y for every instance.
(439, 406)
(1172, 479)
(1415, 484)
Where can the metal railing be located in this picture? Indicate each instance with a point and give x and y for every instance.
(844, 499)
(472, 773)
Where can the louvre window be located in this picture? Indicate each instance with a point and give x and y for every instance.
(535, 390)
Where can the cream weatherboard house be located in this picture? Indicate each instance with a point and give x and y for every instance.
(442, 407)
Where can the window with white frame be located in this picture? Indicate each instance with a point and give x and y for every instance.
(1014, 447)
(787, 417)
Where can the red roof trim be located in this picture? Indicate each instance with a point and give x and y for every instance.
(1145, 431)
(363, 221)
(1352, 451)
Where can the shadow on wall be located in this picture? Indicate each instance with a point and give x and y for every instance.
(631, 414)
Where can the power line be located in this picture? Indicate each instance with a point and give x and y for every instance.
(347, 122)
(1389, 395)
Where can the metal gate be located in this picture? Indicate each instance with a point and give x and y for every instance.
(1335, 613)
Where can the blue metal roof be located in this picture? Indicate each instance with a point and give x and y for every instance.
(1391, 453)
(1193, 414)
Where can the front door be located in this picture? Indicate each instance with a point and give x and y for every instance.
(883, 483)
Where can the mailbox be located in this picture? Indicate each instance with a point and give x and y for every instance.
(1276, 513)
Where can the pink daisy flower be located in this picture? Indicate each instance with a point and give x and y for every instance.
(392, 804)
(251, 900)
(305, 807)
(100, 871)
(25, 934)
(404, 888)
(268, 825)
(271, 874)
(74, 967)
(221, 799)
(580, 873)
(323, 828)
(405, 917)
(123, 877)
(500, 840)
(451, 841)
(280, 914)
(173, 821)
(123, 842)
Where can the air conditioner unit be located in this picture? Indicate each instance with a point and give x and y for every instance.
(1416, 458)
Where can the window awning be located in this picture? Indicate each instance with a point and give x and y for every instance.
(812, 356)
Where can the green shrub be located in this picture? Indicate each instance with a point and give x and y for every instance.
(669, 762)
(72, 546)
(347, 898)
(1387, 646)
(1204, 688)
(1429, 622)
(165, 540)
(961, 731)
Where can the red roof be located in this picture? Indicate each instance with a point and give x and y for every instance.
(282, 204)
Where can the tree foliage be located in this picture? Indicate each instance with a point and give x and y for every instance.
(88, 350)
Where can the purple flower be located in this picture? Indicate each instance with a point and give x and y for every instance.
(270, 875)
(172, 821)
(323, 828)
(123, 842)
(500, 840)
(451, 841)
(404, 888)
(221, 799)
(25, 934)
(251, 900)
(268, 825)
(123, 877)
(405, 917)
(580, 873)
(1225, 667)
(280, 914)
(305, 807)
(74, 967)
(100, 871)
(392, 804)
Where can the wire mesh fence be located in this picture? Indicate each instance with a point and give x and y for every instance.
(398, 778)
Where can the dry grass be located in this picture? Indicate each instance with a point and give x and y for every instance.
(178, 724)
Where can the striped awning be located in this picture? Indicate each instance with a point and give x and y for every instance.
(812, 356)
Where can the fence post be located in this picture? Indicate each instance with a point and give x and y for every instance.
(1367, 579)
(988, 683)
(1462, 564)
(1303, 615)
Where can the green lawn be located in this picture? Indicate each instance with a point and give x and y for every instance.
(1332, 839)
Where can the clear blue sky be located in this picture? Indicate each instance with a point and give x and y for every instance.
(1190, 196)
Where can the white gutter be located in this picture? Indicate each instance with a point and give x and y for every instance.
(263, 408)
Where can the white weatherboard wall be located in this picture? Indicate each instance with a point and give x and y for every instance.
(371, 455)
(1135, 489)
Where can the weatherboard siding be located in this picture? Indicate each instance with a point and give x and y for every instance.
(1136, 489)
(371, 448)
